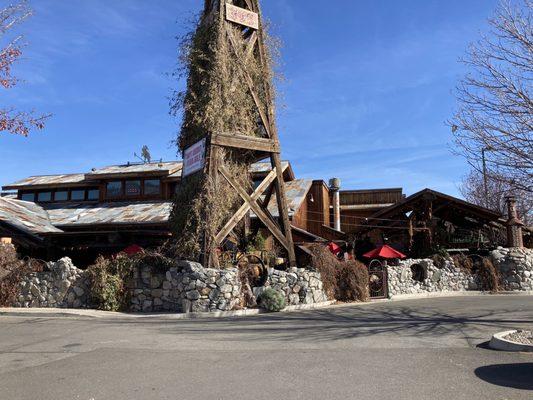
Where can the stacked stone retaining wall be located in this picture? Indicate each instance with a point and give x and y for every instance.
(60, 285)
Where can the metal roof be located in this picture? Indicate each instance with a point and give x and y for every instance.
(47, 180)
(113, 213)
(155, 168)
(296, 192)
(25, 216)
(265, 167)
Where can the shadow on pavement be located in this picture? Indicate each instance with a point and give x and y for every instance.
(517, 376)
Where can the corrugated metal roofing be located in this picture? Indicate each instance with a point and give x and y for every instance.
(166, 167)
(109, 213)
(45, 180)
(25, 216)
(296, 192)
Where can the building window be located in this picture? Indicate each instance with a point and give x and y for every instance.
(133, 188)
(418, 272)
(61, 195)
(152, 187)
(93, 194)
(77, 195)
(114, 189)
(44, 196)
(28, 196)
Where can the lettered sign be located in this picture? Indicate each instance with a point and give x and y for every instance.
(241, 16)
(193, 158)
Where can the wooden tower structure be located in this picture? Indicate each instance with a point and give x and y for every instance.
(242, 27)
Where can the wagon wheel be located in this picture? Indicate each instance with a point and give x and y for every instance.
(252, 268)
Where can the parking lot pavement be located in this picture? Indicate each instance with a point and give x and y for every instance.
(412, 349)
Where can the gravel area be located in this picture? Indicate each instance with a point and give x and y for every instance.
(522, 337)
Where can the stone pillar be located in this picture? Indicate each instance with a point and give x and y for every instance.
(514, 225)
(334, 186)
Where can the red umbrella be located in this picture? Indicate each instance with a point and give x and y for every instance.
(334, 248)
(132, 249)
(384, 251)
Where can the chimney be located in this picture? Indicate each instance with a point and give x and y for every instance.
(514, 225)
(334, 186)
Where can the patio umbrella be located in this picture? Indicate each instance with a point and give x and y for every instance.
(384, 251)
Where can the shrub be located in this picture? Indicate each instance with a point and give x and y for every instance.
(109, 277)
(272, 300)
(488, 275)
(12, 272)
(342, 280)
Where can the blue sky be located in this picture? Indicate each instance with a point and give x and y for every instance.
(367, 92)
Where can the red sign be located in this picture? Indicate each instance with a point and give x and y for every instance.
(242, 16)
(194, 158)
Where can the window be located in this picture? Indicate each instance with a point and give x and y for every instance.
(152, 187)
(77, 195)
(28, 196)
(93, 194)
(418, 272)
(133, 188)
(61, 195)
(114, 189)
(44, 196)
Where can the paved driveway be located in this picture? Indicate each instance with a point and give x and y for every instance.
(412, 349)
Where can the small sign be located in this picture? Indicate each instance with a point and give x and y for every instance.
(241, 16)
(193, 158)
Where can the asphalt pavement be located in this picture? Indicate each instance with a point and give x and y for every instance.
(412, 349)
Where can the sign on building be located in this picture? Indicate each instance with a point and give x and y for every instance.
(241, 16)
(194, 158)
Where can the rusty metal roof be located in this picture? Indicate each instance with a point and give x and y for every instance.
(296, 193)
(47, 180)
(113, 213)
(264, 166)
(155, 168)
(25, 216)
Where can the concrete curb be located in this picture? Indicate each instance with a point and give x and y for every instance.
(66, 312)
(497, 342)
(457, 294)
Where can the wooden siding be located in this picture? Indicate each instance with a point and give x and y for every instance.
(377, 196)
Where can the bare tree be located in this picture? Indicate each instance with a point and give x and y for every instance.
(11, 119)
(473, 190)
(495, 112)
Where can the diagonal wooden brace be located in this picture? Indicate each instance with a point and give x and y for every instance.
(269, 223)
(241, 212)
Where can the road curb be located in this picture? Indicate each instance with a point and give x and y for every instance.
(498, 342)
(465, 293)
(90, 313)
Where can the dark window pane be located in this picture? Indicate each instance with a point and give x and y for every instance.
(77, 195)
(93, 194)
(28, 196)
(133, 188)
(61, 196)
(152, 187)
(114, 189)
(44, 196)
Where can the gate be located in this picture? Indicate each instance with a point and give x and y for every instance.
(377, 280)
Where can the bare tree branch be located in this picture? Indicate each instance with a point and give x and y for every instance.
(495, 102)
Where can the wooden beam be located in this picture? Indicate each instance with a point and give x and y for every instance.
(245, 142)
(269, 223)
(250, 83)
(243, 210)
(250, 46)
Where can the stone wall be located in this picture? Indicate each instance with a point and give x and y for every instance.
(60, 285)
(299, 285)
(188, 287)
(445, 279)
(515, 266)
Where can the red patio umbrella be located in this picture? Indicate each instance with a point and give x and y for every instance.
(384, 251)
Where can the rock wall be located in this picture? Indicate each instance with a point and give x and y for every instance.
(299, 285)
(445, 279)
(515, 266)
(61, 285)
(188, 287)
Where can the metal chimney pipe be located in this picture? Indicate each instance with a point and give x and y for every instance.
(334, 186)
